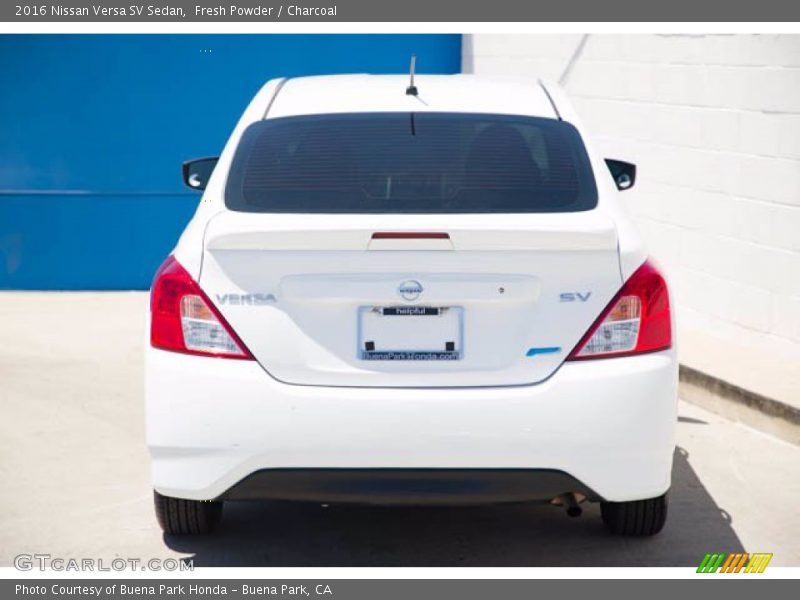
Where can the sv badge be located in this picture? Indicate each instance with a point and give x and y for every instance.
(574, 296)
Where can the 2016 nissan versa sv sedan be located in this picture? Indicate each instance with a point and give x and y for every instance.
(395, 294)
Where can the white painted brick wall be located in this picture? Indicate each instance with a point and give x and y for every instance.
(713, 121)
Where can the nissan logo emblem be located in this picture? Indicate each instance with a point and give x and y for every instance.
(410, 290)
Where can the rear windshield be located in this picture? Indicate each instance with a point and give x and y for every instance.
(410, 163)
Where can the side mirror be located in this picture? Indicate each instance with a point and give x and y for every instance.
(197, 172)
(624, 173)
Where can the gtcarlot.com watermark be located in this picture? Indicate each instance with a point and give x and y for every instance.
(42, 562)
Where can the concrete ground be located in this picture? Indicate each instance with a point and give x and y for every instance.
(75, 480)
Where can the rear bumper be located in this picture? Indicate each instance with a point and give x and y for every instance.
(606, 424)
(407, 486)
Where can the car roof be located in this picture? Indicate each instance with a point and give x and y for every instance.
(387, 93)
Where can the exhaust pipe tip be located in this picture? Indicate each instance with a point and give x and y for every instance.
(570, 502)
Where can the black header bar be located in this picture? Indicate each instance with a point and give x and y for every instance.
(71, 11)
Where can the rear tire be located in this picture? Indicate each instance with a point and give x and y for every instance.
(178, 516)
(635, 518)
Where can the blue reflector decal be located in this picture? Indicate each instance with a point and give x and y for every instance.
(550, 350)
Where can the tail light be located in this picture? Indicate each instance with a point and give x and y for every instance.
(183, 319)
(637, 320)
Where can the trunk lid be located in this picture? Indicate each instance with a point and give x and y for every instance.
(473, 300)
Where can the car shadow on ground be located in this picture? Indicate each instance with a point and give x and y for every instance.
(293, 534)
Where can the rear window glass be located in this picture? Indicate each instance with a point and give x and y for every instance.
(410, 163)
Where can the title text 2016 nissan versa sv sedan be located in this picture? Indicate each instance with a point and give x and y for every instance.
(410, 295)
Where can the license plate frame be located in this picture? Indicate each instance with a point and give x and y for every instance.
(451, 327)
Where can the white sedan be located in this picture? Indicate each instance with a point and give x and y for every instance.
(410, 295)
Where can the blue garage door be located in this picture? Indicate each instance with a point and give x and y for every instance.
(93, 130)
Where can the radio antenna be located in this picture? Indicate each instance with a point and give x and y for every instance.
(411, 90)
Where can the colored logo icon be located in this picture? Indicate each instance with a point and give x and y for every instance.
(739, 562)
